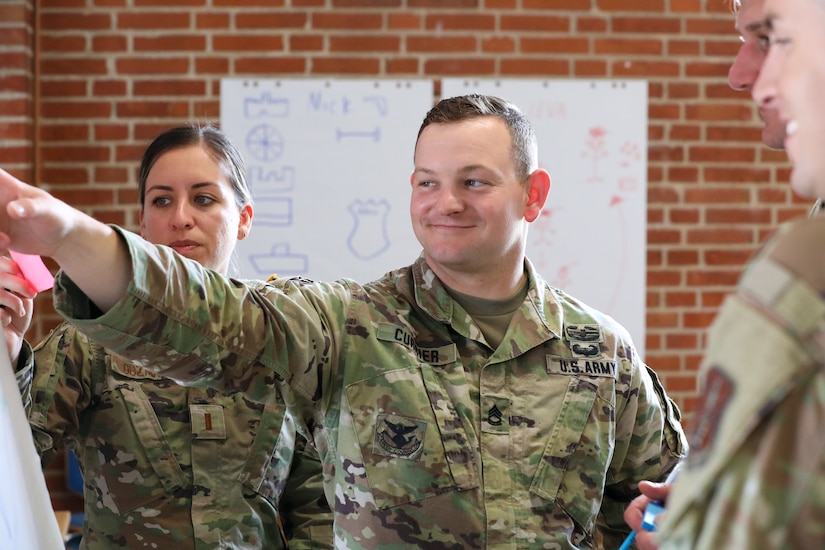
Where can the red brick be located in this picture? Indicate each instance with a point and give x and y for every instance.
(355, 43)
(345, 65)
(61, 20)
(279, 20)
(521, 66)
(535, 23)
(151, 65)
(461, 66)
(153, 21)
(559, 45)
(346, 21)
(155, 87)
(173, 43)
(366, 3)
(461, 22)
(154, 109)
(612, 46)
(270, 66)
(452, 44)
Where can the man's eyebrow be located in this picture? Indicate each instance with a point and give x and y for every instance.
(768, 21)
(756, 26)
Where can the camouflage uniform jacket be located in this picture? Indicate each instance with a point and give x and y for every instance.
(429, 438)
(755, 477)
(167, 466)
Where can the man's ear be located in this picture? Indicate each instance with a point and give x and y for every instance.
(538, 187)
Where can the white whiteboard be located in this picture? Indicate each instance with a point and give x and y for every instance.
(591, 238)
(26, 516)
(329, 163)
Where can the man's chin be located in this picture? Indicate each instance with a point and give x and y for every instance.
(774, 137)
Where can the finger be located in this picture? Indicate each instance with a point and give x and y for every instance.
(654, 491)
(17, 284)
(6, 318)
(12, 303)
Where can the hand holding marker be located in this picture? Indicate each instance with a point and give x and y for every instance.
(653, 509)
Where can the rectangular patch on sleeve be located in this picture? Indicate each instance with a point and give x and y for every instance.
(580, 367)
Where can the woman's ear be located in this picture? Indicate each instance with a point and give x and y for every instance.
(245, 223)
(142, 225)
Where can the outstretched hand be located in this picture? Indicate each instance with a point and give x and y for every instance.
(32, 220)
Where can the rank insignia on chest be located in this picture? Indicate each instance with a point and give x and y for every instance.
(495, 415)
(399, 436)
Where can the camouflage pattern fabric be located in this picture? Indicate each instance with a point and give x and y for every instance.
(429, 438)
(172, 467)
(755, 476)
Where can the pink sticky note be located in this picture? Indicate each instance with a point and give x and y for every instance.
(34, 270)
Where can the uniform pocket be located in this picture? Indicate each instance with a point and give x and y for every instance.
(412, 441)
(573, 468)
(267, 465)
(128, 457)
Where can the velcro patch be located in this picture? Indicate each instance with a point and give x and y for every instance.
(583, 333)
(130, 370)
(399, 436)
(207, 422)
(712, 404)
(580, 367)
(443, 355)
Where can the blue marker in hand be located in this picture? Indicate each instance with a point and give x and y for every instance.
(653, 509)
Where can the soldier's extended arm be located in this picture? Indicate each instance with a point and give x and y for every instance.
(35, 222)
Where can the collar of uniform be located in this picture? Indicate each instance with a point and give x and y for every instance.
(544, 300)
(430, 294)
(432, 297)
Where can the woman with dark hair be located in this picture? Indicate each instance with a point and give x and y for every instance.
(166, 465)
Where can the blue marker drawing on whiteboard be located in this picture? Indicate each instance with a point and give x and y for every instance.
(265, 106)
(265, 143)
(380, 102)
(265, 181)
(322, 102)
(368, 237)
(274, 212)
(281, 261)
(341, 135)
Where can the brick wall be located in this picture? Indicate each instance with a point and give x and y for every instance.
(115, 72)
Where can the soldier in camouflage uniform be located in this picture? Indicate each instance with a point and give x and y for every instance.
(459, 402)
(167, 466)
(742, 76)
(755, 477)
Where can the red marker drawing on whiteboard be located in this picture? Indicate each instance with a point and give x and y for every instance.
(34, 270)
